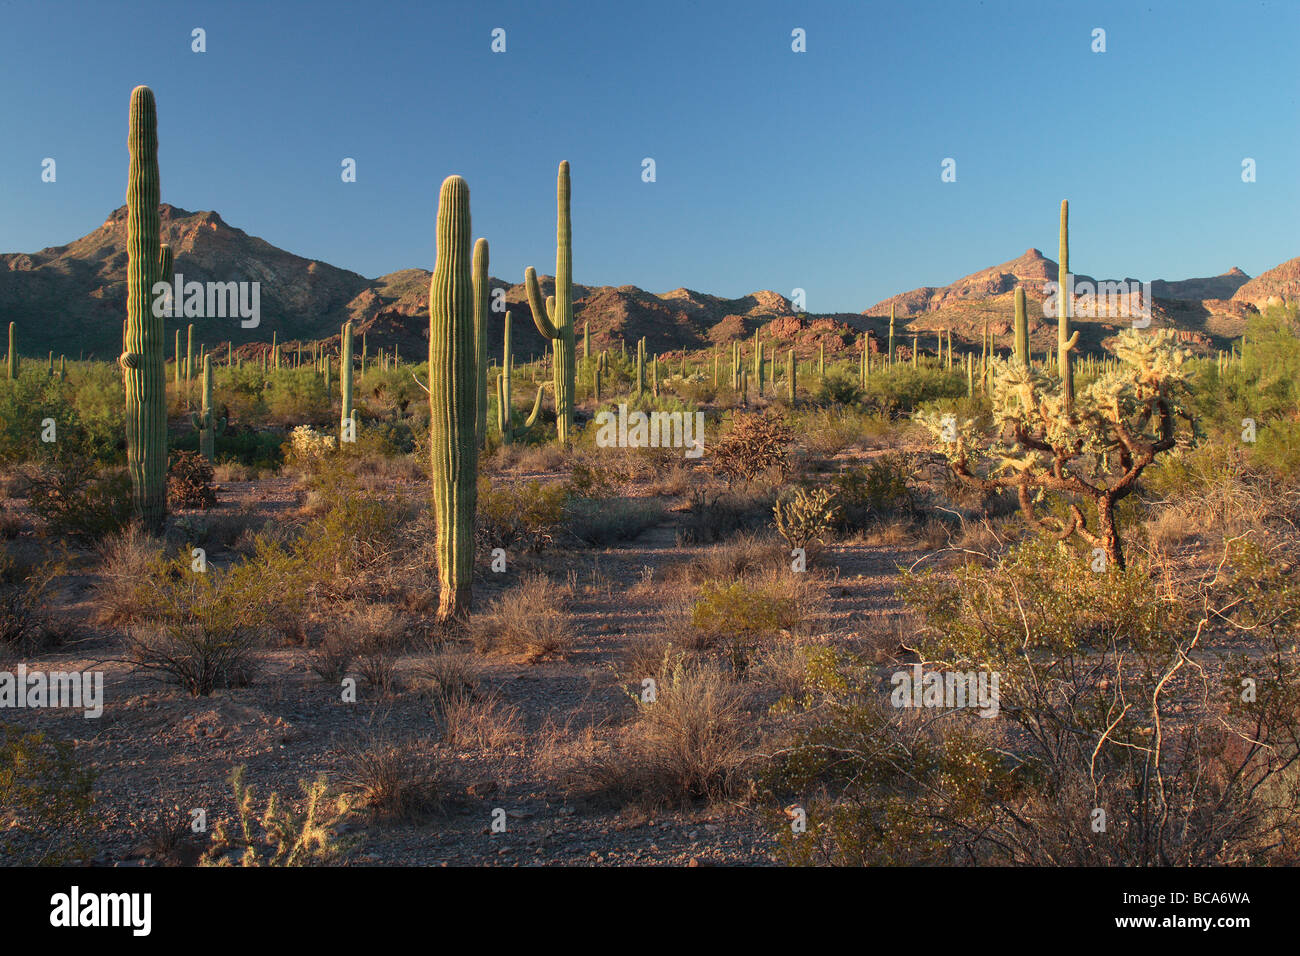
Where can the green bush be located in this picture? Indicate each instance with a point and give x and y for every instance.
(46, 796)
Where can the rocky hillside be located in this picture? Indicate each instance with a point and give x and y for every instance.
(1280, 282)
(72, 299)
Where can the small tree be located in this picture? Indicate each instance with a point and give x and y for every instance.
(1097, 452)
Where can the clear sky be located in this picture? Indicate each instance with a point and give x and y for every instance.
(775, 169)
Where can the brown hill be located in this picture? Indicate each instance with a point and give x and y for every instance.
(1031, 270)
(1215, 287)
(1280, 282)
(73, 298)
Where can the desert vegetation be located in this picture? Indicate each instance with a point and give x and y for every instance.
(616, 606)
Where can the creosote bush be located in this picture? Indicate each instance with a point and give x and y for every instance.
(46, 800)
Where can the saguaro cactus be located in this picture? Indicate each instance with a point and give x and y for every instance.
(640, 368)
(12, 362)
(1065, 342)
(891, 336)
(504, 404)
(791, 374)
(347, 427)
(555, 320)
(204, 421)
(1022, 329)
(142, 361)
(481, 294)
(453, 381)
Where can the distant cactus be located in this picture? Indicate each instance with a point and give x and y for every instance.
(142, 361)
(12, 362)
(452, 383)
(791, 374)
(504, 405)
(204, 421)
(1065, 342)
(891, 335)
(640, 368)
(1022, 329)
(555, 320)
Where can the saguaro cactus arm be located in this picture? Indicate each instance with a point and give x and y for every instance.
(543, 314)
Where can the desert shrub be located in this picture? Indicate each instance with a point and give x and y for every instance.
(754, 446)
(46, 796)
(597, 478)
(745, 608)
(87, 410)
(528, 619)
(281, 834)
(804, 517)
(1218, 486)
(126, 562)
(901, 389)
(713, 514)
(331, 658)
(189, 481)
(295, 395)
(391, 779)
(825, 432)
(1106, 700)
(199, 629)
(880, 489)
(599, 523)
(76, 500)
(25, 624)
(837, 388)
(448, 671)
(690, 743)
(476, 720)
(743, 554)
(524, 514)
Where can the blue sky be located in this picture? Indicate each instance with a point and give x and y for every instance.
(775, 169)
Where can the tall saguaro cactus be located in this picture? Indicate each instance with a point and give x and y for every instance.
(142, 361)
(555, 320)
(12, 358)
(347, 428)
(1022, 329)
(1065, 342)
(453, 384)
(481, 294)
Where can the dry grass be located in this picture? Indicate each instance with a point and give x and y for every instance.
(125, 562)
(393, 780)
(477, 721)
(690, 744)
(529, 619)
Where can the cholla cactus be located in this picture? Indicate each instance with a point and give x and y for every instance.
(1116, 428)
(307, 445)
(805, 517)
